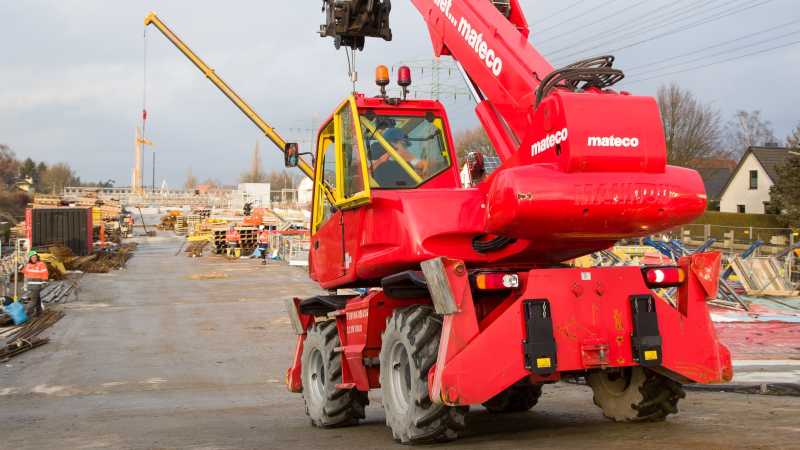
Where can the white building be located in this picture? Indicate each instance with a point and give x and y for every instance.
(257, 194)
(747, 191)
(305, 191)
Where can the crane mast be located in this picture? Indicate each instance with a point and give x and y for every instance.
(269, 131)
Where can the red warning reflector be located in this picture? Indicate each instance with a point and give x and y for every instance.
(664, 276)
(492, 281)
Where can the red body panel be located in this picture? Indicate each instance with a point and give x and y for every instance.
(592, 322)
(594, 312)
(573, 188)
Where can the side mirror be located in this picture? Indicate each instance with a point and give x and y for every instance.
(291, 154)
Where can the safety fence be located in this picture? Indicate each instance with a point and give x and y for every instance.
(735, 240)
(291, 246)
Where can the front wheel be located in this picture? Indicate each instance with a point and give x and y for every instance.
(408, 351)
(635, 394)
(326, 405)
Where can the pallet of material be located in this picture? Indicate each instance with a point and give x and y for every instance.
(219, 239)
(763, 276)
(26, 337)
(181, 226)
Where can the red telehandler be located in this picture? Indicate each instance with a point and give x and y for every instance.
(466, 298)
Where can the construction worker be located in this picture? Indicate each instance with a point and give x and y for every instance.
(233, 239)
(385, 170)
(263, 243)
(36, 276)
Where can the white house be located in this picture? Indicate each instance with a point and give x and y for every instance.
(747, 191)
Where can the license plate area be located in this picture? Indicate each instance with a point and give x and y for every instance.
(539, 346)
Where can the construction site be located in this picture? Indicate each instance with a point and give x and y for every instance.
(561, 275)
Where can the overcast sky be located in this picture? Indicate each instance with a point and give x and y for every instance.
(71, 77)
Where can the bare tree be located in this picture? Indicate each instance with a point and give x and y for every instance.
(748, 129)
(191, 180)
(9, 166)
(473, 140)
(793, 141)
(281, 180)
(255, 174)
(57, 177)
(211, 183)
(693, 130)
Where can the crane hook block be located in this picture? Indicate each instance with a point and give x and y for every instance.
(350, 22)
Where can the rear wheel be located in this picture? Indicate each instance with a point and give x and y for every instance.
(409, 349)
(326, 405)
(635, 394)
(517, 398)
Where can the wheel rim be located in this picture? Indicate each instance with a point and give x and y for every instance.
(316, 376)
(616, 382)
(400, 375)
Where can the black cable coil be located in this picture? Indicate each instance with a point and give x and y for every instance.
(492, 245)
(593, 72)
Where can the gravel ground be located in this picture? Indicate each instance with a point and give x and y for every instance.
(190, 353)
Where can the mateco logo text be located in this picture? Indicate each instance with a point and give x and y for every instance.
(613, 141)
(550, 141)
(472, 37)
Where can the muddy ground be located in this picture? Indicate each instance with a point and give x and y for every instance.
(190, 353)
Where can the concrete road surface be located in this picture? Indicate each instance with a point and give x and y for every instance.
(184, 354)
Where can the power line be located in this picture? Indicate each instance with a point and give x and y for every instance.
(724, 52)
(596, 20)
(677, 18)
(545, 30)
(571, 5)
(721, 44)
(735, 58)
(648, 20)
(682, 28)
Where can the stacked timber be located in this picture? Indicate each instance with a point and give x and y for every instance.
(249, 238)
(219, 240)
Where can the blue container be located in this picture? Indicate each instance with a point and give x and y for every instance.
(17, 312)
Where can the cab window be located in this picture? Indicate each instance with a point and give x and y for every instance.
(353, 174)
(327, 175)
(404, 151)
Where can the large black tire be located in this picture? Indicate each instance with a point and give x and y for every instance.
(517, 398)
(327, 406)
(635, 394)
(408, 351)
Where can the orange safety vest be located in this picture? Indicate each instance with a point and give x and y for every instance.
(36, 272)
(233, 236)
(263, 237)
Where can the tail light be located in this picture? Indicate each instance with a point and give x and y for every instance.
(496, 281)
(658, 277)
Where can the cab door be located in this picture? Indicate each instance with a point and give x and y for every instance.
(341, 187)
(326, 255)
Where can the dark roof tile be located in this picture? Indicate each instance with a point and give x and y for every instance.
(771, 158)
